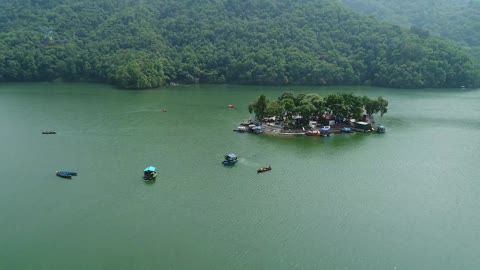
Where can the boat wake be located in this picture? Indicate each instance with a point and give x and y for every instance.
(135, 112)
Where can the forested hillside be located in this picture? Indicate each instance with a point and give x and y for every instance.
(144, 44)
(458, 20)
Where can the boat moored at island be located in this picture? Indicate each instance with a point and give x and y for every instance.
(362, 126)
(346, 130)
(149, 173)
(241, 129)
(325, 131)
(230, 159)
(255, 129)
(312, 133)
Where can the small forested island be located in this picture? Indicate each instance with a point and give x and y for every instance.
(145, 44)
(290, 114)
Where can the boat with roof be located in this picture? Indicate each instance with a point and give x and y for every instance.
(325, 131)
(149, 173)
(230, 159)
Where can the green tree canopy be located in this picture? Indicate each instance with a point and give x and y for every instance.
(312, 106)
(259, 107)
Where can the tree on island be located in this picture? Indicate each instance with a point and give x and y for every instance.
(374, 106)
(314, 107)
(259, 107)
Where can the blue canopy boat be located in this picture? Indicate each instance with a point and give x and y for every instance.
(230, 159)
(325, 131)
(346, 130)
(257, 129)
(149, 173)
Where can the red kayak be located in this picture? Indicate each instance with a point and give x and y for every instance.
(264, 169)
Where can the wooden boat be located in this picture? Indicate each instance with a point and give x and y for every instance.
(68, 173)
(49, 132)
(264, 169)
(312, 133)
(241, 129)
(63, 175)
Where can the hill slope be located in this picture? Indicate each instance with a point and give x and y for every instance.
(458, 20)
(143, 44)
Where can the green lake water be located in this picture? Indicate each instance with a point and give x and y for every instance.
(406, 199)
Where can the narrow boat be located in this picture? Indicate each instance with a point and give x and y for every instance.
(241, 129)
(230, 159)
(68, 173)
(63, 175)
(312, 133)
(264, 169)
(49, 132)
(149, 173)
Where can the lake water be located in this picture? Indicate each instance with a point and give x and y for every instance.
(406, 199)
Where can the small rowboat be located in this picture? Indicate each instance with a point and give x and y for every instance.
(64, 175)
(312, 133)
(264, 169)
(68, 173)
(49, 132)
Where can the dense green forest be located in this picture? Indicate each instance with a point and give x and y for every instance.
(148, 43)
(458, 20)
